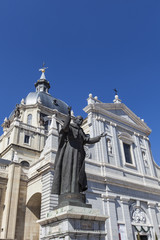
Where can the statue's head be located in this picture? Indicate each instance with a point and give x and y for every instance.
(78, 120)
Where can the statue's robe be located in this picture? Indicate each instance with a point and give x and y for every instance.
(69, 175)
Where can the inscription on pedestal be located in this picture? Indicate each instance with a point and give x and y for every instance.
(74, 223)
(54, 229)
(86, 225)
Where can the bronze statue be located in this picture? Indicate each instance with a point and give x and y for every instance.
(70, 176)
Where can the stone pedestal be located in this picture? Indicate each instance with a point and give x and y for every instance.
(73, 199)
(73, 223)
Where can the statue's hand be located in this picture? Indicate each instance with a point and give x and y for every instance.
(103, 134)
(69, 110)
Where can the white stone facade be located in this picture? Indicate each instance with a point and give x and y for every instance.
(123, 179)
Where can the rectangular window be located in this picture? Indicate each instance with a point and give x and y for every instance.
(127, 152)
(142, 237)
(26, 139)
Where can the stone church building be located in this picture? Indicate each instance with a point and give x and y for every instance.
(123, 179)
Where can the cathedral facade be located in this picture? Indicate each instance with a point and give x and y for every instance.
(123, 179)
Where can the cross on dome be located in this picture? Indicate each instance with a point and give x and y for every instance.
(43, 69)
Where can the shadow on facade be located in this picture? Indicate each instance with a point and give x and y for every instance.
(33, 208)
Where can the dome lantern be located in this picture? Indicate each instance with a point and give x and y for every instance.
(42, 85)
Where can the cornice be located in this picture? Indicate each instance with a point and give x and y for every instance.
(134, 185)
(125, 183)
(151, 204)
(102, 109)
(41, 170)
(19, 146)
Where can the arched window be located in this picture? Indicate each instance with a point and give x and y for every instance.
(24, 164)
(29, 119)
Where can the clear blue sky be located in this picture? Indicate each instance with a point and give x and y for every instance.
(89, 46)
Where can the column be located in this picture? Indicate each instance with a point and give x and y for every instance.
(127, 218)
(153, 217)
(115, 144)
(140, 161)
(150, 162)
(94, 131)
(102, 147)
(11, 201)
(14, 137)
(110, 210)
(51, 145)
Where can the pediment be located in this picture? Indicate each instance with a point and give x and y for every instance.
(120, 113)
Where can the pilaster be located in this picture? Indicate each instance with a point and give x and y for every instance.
(14, 135)
(126, 217)
(115, 144)
(153, 217)
(11, 201)
(110, 210)
(51, 145)
(94, 131)
(146, 140)
(140, 162)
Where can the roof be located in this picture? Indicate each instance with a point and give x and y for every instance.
(4, 162)
(46, 100)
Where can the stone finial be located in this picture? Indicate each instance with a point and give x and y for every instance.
(92, 100)
(116, 99)
(22, 101)
(72, 113)
(6, 123)
(53, 126)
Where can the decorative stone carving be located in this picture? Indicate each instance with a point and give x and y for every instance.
(116, 99)
(39, 100)
(6, 123)
(106, 126)
(141, 141)
(138, 216)
(109, 146)
(145, 158)
(17, 111)
(41, 121)
(22, 101)
(99, 118)
(87, 151)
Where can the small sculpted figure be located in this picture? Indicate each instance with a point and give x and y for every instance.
(109, 146)
(6, 123)
(41, 121)
(17, 111)
(70, 176)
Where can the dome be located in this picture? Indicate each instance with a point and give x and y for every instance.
(46, 100)
(43, 97)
